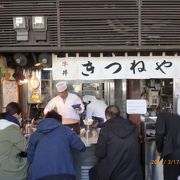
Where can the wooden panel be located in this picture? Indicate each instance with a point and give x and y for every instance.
(98, 23)
(85, 25)
(160, 22)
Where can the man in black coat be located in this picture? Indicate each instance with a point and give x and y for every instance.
(117, 149)
(168, 143)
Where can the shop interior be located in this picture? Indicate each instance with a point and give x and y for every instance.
(157, 92)
(159, 95)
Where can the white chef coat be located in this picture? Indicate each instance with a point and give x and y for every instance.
(96, 108)
(65, 109)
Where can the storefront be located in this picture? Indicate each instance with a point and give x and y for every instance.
(115, 50)
(115, 79)
(124, 38)
(112, 77)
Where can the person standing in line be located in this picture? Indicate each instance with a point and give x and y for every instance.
(96, 110)
(168, 143)
(12, 145)
(68, 105)
(13, 113)
(49, 150)
(117, 149)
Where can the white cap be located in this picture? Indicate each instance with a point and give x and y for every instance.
(87, 98)
(61, 86)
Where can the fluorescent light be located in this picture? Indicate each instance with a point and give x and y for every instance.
(47, 69)
(20, 22)
(39, 23)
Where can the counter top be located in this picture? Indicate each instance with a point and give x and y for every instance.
(89, 137)
(90, 141)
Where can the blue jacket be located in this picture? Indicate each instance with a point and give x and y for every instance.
(49, 150)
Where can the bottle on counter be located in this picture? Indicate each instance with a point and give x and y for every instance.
(28, 128)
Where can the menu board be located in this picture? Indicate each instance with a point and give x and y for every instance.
(136, 106)
(9, 92)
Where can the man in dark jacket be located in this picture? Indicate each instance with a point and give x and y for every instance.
(168, 143)
(117, 149)
(49, 150)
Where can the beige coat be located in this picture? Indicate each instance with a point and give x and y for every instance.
(12, 142)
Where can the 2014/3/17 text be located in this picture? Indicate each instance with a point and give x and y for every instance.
(165, 161)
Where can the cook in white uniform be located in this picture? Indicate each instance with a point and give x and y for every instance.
(62, 103)
(96, 110)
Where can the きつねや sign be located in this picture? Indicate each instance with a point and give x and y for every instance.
(99, 68)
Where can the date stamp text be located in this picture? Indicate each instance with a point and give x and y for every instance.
(165, 162)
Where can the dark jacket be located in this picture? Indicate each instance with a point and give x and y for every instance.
(168, 134)
(117, 151)
(49, 150)
(11, 118)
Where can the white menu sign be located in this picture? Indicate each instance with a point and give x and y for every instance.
(9, 92)
(136, 106)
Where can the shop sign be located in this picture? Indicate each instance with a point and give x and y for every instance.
(9, 92)
(125, 67)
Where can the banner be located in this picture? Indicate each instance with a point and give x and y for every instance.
(125, 67)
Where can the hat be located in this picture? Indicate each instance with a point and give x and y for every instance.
(61, 86)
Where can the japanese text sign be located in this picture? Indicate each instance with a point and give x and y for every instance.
(125, 67)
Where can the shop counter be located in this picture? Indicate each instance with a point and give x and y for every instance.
(85, 160)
